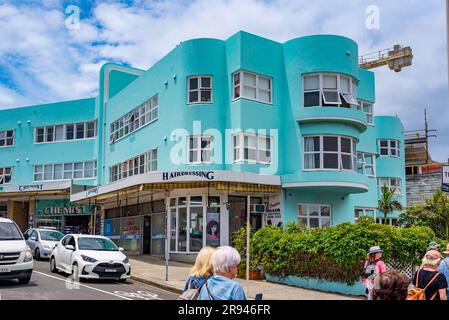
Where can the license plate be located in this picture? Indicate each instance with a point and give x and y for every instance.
(110, 270)
(4, 270)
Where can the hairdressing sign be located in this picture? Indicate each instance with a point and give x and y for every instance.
(273, 216)
(445, 179)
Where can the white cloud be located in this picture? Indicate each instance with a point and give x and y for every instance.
(48, 62)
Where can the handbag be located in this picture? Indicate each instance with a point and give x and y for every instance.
(191, 293)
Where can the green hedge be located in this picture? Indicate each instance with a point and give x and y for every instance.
(333, 253)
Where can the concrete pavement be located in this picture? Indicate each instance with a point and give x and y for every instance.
(151, 270)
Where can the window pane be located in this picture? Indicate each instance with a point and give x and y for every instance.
(196, 228)
(330, 82)
(330, 143)
(205, 82)
(325, 211)
(325, 222)
(193, 83)
(48, 172)
(193, 96)
(80, 130)
(182, 229)
(205, 95)
(345, 84)
(57, 172)
(312, 161)
(249, 92)
(249, 79)
(312, 144)
(330, 161)
(314, 210)
(264, 96)
(59, 133)
(311, 99)
(314, 222)
(346, 145)
(264, 83)
(196, 200)
(250, 141)
(331, 97)
(311, 83)
(346, 161)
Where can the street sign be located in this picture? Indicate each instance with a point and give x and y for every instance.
(445, 179)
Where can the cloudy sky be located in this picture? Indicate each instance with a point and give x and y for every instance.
(43, 60)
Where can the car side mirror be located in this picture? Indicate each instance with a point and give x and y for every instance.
(33, 238)
(70, 247)
(120, 249)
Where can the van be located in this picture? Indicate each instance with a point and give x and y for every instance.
(16, 258)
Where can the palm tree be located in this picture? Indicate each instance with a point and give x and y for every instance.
(437, 208)
(387, 202)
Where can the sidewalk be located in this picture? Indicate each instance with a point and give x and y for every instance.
(151, 270)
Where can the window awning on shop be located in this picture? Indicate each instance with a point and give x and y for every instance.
(220, 180)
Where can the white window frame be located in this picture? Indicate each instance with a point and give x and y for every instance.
(364, 164)
(339, 152)
(129, 167)
(200, 89)
(256, 87)
(240, 147)
(364, 210)
(199, 150)
(123, 126)
(340, 94)
(4, 175)
(64, 132)
(6, 138)
(307, 215)
(389, 185)
(369, 115)
(389, 148)
(72, 171)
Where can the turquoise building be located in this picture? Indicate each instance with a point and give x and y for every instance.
(212, 131)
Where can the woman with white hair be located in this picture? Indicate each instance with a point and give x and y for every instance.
(221, 286)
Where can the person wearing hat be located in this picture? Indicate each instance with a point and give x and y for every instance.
(444, 267)
(433, 246)
(428, 278)
(372, 267)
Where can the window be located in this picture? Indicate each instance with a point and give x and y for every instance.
(252, 86)
(390, 221)
(140, 116)
(314, 215)
(389, 148)
(145, 162)
(251, 147)
(5, 175)
(329, 152)
(199, 149)
(365, 164)
(65, 171)
(329, 90)
(367, 108)
(199, 89)
(66, 132)
(365, 212)
(391, 183)
(6, 138)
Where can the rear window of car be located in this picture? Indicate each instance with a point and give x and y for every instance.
(9, 231)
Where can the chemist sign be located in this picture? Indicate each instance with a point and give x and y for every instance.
(445, 179)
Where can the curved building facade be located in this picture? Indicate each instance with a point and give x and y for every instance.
(213, 134)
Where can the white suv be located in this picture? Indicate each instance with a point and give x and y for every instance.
(16, 258)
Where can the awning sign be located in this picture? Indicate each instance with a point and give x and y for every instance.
(61, 207)
(445, 179)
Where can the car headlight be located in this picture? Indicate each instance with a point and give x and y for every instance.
(88, 259)
(46, 245)
(28, 255)
(126, 260)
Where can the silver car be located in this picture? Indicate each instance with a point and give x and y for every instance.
(42, 241)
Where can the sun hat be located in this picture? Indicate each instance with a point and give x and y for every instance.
(375, 249)
(432, 257)
(447, 249)
(433, 246)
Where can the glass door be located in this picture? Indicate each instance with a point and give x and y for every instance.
(158, 234)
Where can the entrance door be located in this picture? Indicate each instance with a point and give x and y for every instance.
(146, 245)
(237, 215)
(158, 234)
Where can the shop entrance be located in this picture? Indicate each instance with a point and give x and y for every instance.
(76, 224)
(154, 234)
(237, 215)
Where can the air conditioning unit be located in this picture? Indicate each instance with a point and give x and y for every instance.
(258, 208)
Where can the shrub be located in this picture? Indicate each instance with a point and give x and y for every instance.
(332, 253)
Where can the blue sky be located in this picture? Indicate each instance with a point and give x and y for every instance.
(41, 60)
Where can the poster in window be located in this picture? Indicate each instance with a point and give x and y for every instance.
(213, 229)
(273, 216)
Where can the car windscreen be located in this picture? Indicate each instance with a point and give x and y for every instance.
(51, 235)
(98, 244)
(9, 231)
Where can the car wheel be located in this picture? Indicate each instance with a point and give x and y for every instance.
(53, 268)
(37, 254)
(24, 280)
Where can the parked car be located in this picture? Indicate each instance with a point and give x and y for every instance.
(42, 241)
(16, 258)
(90, 257)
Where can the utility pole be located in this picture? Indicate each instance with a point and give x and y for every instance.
(447, 37)
(427, 134)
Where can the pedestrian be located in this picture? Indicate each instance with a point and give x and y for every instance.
(444, 268)
(428, 280)
(391, 285)
(372, 267)
(221, 285)
(433, 246)
(202, 269)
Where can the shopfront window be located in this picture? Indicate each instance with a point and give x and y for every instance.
(192, 217)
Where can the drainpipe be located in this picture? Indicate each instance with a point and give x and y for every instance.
(248, 230)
